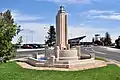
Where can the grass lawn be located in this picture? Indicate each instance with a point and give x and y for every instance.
(12, 71)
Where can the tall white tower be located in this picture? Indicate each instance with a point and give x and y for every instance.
(61, 28)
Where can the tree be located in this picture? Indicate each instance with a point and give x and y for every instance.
(19, 41)
(117, 41)
(102, 40)
(51, 36)
(98, 42)
(8, 30)
(107, 40)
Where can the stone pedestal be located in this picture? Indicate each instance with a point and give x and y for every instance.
(78, 51)
(46, 52)
(52, 61)
(68, 55)
(68, 46)
(92, 55)
(57, 50)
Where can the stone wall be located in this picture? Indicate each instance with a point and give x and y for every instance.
(68, 53)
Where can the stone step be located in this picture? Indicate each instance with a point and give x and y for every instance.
(61, 65)
(68, 58)
(89, 64)
(73, 61)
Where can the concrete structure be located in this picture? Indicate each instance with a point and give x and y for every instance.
(61, 29)
(62, 56)
(97, 37)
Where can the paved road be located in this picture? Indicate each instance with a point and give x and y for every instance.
(102, 52)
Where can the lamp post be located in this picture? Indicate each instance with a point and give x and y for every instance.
(29, 31)
(32, 32)
(26, 39)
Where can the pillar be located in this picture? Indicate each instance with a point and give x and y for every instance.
(78, 51)
(57, 53)
(68, 46)
(52, 61)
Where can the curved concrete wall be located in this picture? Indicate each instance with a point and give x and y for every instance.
(68, 53)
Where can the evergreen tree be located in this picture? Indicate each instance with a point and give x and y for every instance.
(107, 40)
(51, 36)
(8, 30)
(117, 41)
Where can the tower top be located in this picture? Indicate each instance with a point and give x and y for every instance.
(61, 9)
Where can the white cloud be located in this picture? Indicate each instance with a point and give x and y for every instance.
(102, 14)
(37, 31)
(89, 32)
(65, 1)
(109, 17)
(18, 16)
(99, 12)
(96, 12)
(72, 1)
(31, 29)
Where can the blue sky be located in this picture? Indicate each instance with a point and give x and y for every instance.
(86, 17)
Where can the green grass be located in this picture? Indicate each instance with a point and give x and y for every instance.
(12, 71)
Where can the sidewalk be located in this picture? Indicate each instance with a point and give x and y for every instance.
(110, 49)
(113, 62)
(110, 61)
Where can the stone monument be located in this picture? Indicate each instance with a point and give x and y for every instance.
(62, 56)
(61, 29)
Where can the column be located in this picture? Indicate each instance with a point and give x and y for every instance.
(57, 53)
(78, 51)
(66, 30)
